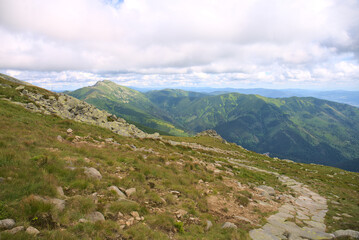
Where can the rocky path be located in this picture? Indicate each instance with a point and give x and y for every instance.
(301, 217)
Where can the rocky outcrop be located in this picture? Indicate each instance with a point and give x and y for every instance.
(211, 133)
(68, 107)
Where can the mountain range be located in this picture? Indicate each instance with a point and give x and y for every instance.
(341, 96)
(303, 129)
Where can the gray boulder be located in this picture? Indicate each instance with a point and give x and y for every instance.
(130, 191)
(209, 225)
(92, 173)
(7, 223)
(347, 233)
(32, 231)
(16, 230)
(117, 191)
(266, 189)
(95, 217)
(229, 225)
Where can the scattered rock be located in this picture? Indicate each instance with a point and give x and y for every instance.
(16, 230)
(32, 231)
(118, 191)
(244, 219)
(95, 217)
(93, 173)
(209, 225)
(229, 225)
(130, 191)
(130, 221)
(19, 88)
(346, 215)
(7, 223)
(60, 191)
(59, 138)
(135, 214)
(180, 213)
(82, 220)
(266, 189)
(58, 203)
(347, 233)
(69, 131)
(2, 179)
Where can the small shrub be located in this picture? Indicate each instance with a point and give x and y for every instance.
(242, 200)
(81, 204)
(43, 220)
(81, 184)
(170, 199)
(125, 207)
(110, 119)
(162, 221)
(4, 213)
(179, 227)
(41, 160)
(6, 160)
(31, 207)
(246, 193)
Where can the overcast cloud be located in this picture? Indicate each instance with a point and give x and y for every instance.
(65, 44)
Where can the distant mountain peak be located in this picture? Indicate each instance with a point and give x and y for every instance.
(104, 82)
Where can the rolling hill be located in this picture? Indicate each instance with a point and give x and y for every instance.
(129, 104)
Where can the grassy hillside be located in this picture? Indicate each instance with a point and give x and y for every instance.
(128, 104)
(198, 179)
(302, 129)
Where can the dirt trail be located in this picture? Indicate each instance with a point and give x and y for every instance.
(301, 217)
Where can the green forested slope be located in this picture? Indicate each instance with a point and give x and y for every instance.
(303, 129)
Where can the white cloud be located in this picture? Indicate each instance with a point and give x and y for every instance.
(289, 43)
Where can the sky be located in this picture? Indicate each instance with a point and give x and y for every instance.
(67, 44)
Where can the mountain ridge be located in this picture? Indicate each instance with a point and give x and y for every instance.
(129, 104)
(303, 129)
